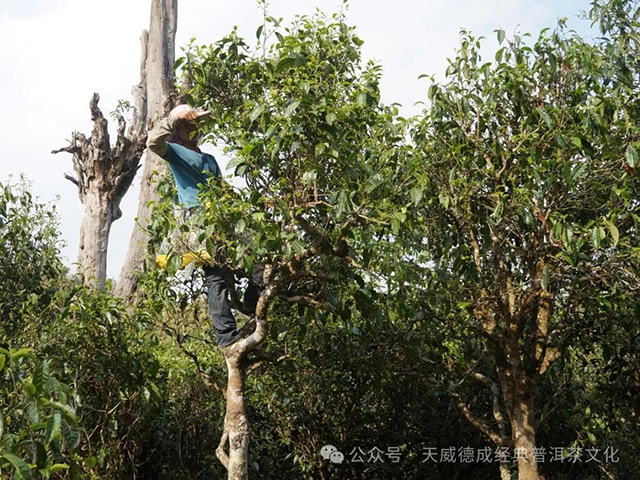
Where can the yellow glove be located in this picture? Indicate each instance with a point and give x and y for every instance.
(201, 258)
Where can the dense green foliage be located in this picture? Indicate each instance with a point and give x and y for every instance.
(409, 254)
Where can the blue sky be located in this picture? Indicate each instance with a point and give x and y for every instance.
(56, 53)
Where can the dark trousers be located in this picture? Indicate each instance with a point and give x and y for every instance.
(218, 280)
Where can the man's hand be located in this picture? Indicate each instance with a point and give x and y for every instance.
(186, 116)
(183, 113)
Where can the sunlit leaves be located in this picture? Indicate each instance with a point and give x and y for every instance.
(22, 469)
(632, 156)
(290, 107)
(303, 123)
(416, 195)
(255, 113)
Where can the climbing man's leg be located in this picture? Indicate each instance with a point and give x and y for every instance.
(255, 287)
(220, 306)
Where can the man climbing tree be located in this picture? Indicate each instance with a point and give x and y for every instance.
(305, 128)
(175, 139)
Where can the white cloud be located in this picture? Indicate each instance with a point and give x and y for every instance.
(56, 53)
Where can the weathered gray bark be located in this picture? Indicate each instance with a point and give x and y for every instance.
(237, 429)
(103, 176)
(159, 77)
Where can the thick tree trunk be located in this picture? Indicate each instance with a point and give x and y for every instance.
(524, 436)
(236, 424)
(159, 75)
(237, 429)
(94, 237)
(103, 176)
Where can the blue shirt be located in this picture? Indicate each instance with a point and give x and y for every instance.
(190, 170)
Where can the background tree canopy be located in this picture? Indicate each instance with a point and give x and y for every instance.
(467, 277)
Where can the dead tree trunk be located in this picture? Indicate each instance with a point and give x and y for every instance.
(103, 176)
(159, 74)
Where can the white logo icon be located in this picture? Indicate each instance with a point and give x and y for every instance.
(331, 453)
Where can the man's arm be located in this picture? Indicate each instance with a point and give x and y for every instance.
(158, 136)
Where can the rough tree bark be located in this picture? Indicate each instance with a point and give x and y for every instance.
(103, 176)
(161, 96)
(237, 429)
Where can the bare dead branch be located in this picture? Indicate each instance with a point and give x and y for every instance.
(72, 179)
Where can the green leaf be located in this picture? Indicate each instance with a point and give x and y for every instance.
(568, 229)
(330, 118)
(401, 216)
(41, 376)
(562, 142)
(545, 116)
(30, 389)
(308, 178)
(577, 142)
(498, 211)
(632, 156)
(90, 462)
(545, 279)
(32, 413)
(395, 226)
(212, 247)
(577, 171)
(291, 107)
(500, 33)
(41, 456)
(416, 195)
(444, 200)
(23, 469)
(2, 360)
(615, 234)
(71, 435)
(285, 63)
(178, 62)
(65, 410)
(53, 426)
(255, 113)
(259, 31)
(23, 352)
(357, 41)
(235, 162)
(57, 467)
(596, 237)
(174, 264)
